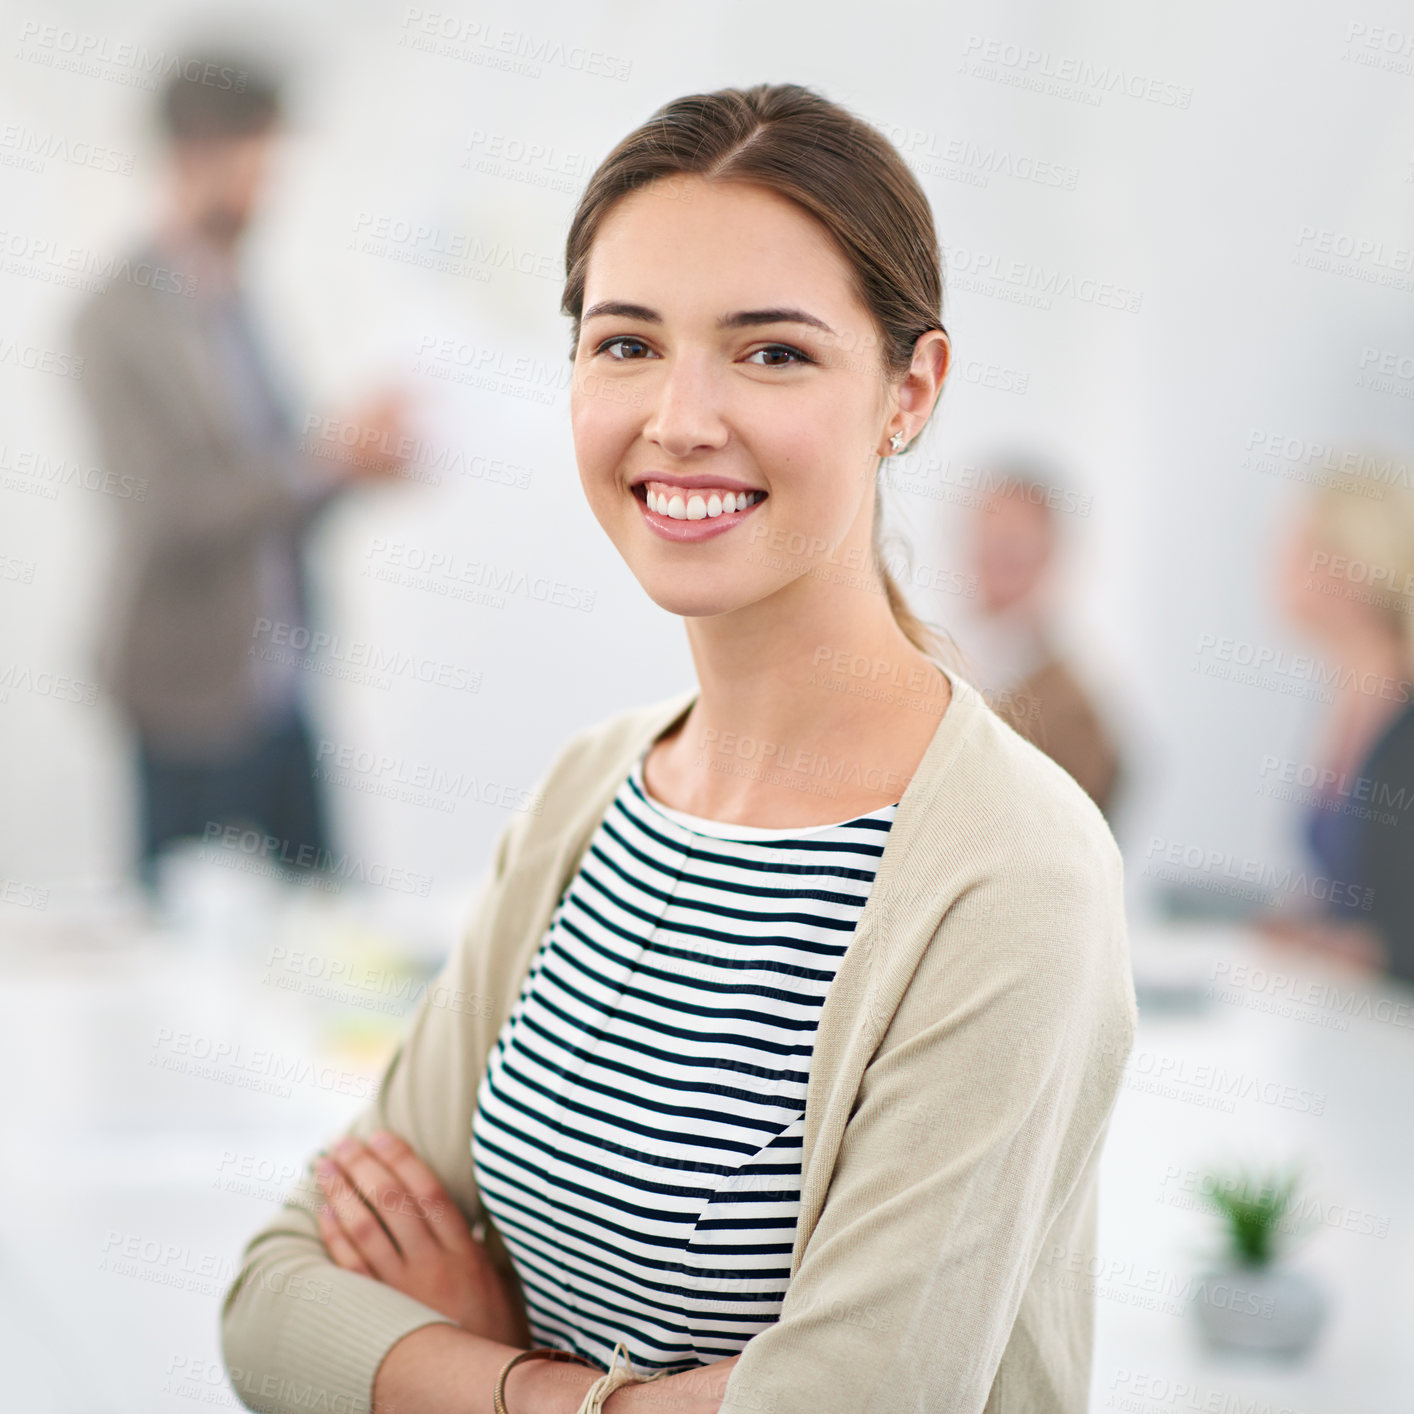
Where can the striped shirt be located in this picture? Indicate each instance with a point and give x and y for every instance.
(637, 1133)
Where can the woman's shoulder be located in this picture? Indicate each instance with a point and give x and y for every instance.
(1003, 800)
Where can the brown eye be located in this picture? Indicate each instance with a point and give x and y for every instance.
(783, 355)
(621, 339)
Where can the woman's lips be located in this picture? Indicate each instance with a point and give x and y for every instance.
(705, 525)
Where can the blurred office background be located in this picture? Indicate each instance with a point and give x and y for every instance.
(1180, 257)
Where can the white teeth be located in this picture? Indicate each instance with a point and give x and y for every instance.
(694, 506)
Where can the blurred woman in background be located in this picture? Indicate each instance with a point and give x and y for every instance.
(1347, 580)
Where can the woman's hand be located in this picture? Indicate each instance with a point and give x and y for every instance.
(387, 1217)
(1354, 945)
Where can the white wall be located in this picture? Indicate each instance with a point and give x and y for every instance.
(1197, 205)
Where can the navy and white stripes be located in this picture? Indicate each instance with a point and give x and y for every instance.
(637, 1135)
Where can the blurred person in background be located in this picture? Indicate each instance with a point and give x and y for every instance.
(1347, 581)
(208, 567)
(1015, 545)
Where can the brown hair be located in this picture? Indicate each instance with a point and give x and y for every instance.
(217, 99)
(832, 164)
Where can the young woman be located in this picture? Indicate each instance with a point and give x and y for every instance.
(774, 1065)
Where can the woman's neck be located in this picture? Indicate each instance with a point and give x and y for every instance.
(801, 727)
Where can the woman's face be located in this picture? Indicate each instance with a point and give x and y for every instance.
(724, 356)
(1313, 600)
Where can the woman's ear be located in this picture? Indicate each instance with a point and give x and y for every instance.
(932, 357)
(915, 394)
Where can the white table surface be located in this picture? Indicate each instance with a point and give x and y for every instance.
(128, 1189)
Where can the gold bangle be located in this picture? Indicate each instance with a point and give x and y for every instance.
(545, 1352)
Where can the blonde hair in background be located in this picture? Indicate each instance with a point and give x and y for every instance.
(1365, 516)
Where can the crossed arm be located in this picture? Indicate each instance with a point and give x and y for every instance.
(386, 1218)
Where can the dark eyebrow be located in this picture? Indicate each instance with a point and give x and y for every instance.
(743, 319)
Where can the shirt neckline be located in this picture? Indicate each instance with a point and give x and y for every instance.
(725, 830)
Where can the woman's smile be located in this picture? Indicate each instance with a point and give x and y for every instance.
(693, 508)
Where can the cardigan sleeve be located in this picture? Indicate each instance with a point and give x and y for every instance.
(298, 1332)
(976, 1119)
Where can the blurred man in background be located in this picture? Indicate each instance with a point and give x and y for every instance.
(208, 563)
(1014, 552)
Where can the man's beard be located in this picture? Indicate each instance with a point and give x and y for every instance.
(221, 225)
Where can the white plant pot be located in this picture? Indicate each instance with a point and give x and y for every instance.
(1272, 1309)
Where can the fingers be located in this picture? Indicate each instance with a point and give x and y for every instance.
(344, 1253)
(443, 1218)
(356, 1220)
(398, 1211)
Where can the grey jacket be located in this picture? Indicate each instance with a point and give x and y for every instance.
(181, 612)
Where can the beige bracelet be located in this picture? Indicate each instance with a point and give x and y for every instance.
(605, 1385)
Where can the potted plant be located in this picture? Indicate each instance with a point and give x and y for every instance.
(1251, 1299)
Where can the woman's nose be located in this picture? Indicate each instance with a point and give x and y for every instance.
(685, 412)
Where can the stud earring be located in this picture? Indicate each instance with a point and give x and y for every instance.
(896, 441)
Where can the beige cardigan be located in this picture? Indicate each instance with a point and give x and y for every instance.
(967, 1059)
